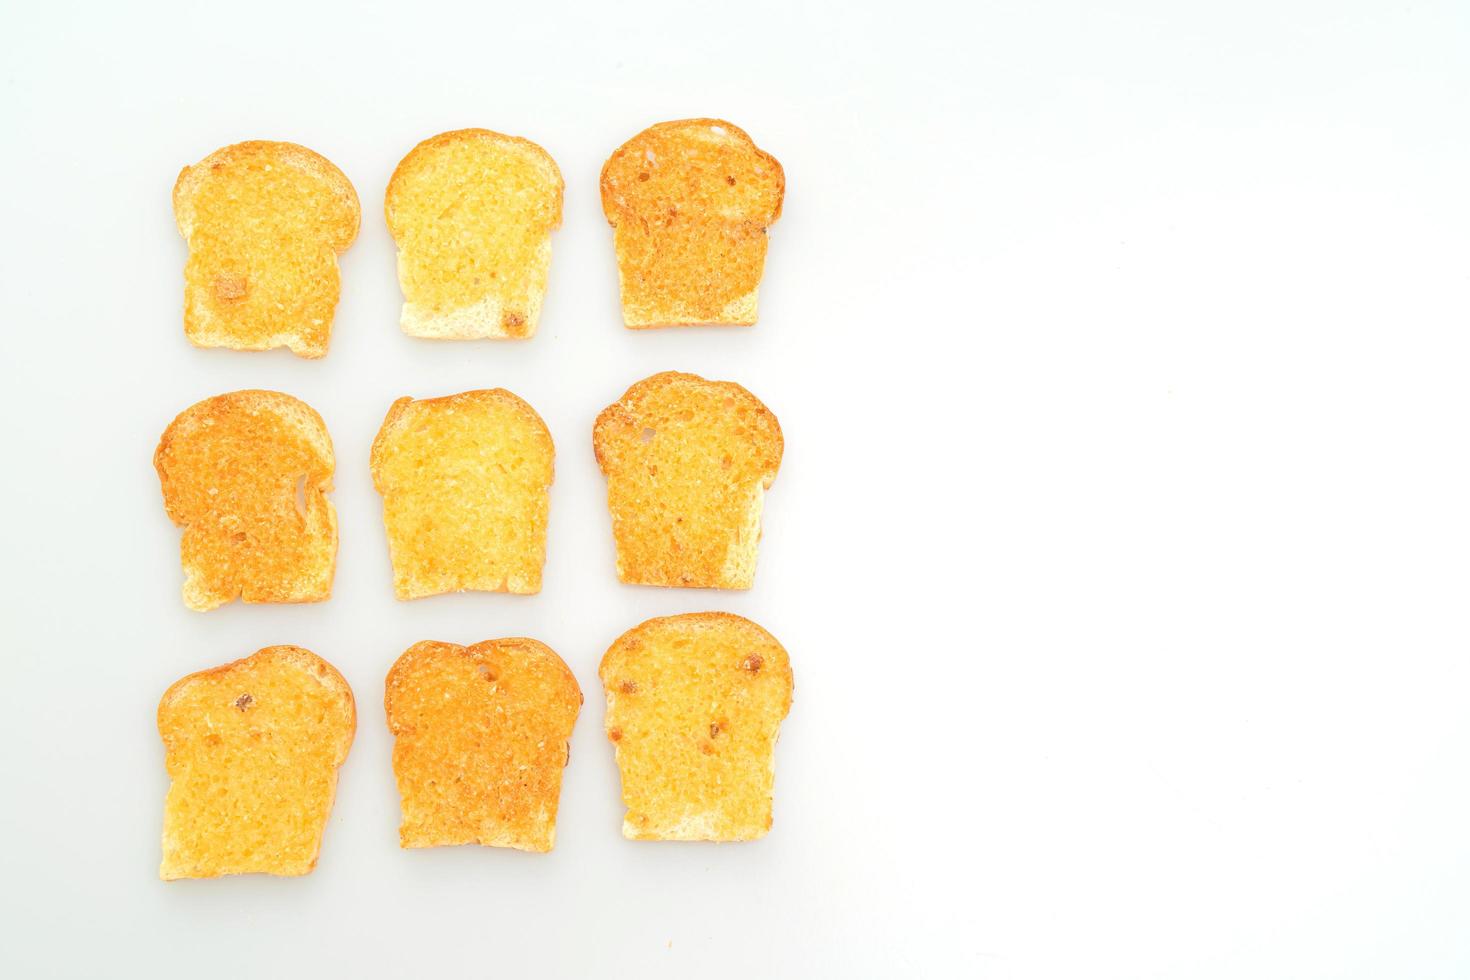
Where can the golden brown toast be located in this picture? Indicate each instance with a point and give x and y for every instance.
(694, 705)
(690, 202)
(246, 476)
(481, 738)
(252, 749)
(265, 223)
(472, 212)
(688, 462)
(465, 481)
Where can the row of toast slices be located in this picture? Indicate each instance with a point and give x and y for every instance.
(472, 212)
(481, 736)
(465, 481)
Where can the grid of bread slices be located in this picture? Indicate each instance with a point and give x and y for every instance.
(481, 731)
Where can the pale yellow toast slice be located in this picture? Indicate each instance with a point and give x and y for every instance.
(265, 223)
(689, 202)
(246, 475)
(694, 706)
(688, 462)
(252, 749)
(481, 739)
(472, 213)
(466, 485)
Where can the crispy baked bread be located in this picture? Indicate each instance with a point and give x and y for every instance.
(246, 476)
(694, 704)
(688, 462)
(252, 751)
(481, 738)
(472, 212)
(465, 481)
(690, 202)
(265, 223)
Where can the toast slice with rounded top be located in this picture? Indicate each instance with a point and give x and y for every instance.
(694, 705)
(465, 481)
(472, 213)
(246, 475)
(688, 462)
(252, 749)
(481, 739)
(689, 202)
(265, 223)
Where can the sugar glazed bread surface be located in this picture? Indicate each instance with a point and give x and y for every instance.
(694, 705)
(252, 749)
(472, 213)
(690, 202)
(246, 476)
(265, 223)
(465, 481)
(481, 738)
(688, 462)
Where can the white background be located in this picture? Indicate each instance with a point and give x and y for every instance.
(1121, 546)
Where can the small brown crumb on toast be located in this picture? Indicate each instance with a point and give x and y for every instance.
(694, 705)
(465, 481)
(252, 749)
(265, 223)
(688, 462)
(246, 476)
(481, 739)
(472, 213)
(690, 202)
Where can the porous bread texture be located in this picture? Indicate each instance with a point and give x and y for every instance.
(688, 462)
(481, 739)
(465, 481)
(252, 749)
(246, 475)
(265, 223)
(694, 706)
(472, 212)
(689, 202)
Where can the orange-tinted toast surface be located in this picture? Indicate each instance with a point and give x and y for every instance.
(688, 462)
(246, 475)
(481, 738)
(690, 202)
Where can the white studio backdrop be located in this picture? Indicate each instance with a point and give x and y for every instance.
(1120, 544)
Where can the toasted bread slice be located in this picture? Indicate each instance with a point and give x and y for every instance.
(690, 202)
(694, 704)
(472, 212)
(265, 223)
(688, 462)
(246, 476)
(465, 482)
(481, 740)
(252, 749)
